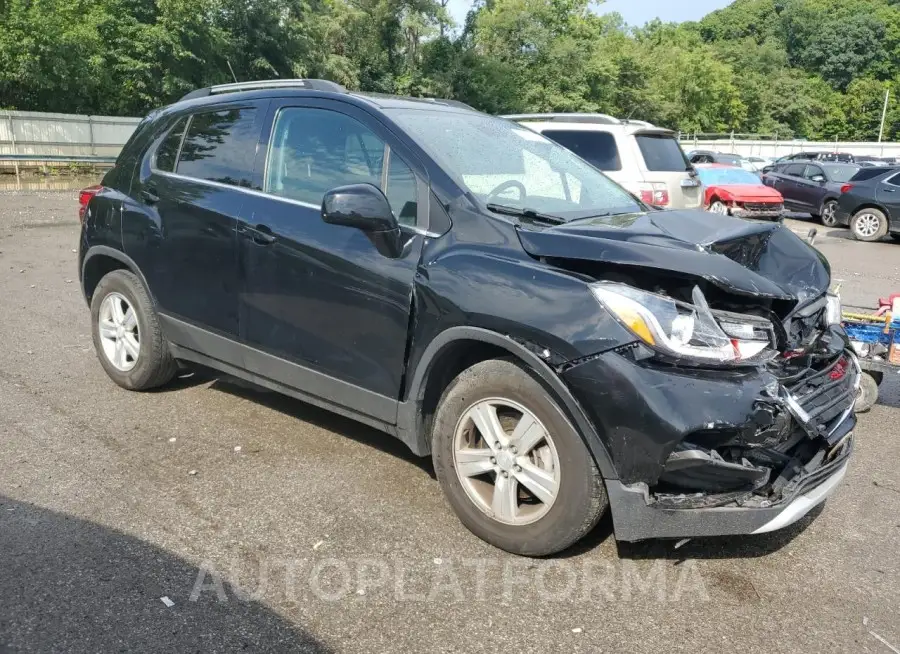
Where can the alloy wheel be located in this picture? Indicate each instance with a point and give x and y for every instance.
(828, 211)
(866, 225)
(119, 332)
(719, 208)
(506, 461)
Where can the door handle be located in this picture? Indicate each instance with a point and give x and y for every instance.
(260, 234)
(888, 190)
(149, 195)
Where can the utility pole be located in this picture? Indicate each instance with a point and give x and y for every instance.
(887, 93)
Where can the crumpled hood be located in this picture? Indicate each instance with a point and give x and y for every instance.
(745, 192)
(754, 259)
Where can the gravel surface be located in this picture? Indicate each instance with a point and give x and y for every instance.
(320, 534)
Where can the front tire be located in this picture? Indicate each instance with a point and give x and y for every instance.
(127, 337)
(513, 468)
(869, 225)
(829, 211)
(719, 207)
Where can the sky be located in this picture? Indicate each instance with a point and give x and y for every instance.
(635, 12)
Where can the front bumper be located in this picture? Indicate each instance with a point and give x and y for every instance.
(743, 212)
(647, 414)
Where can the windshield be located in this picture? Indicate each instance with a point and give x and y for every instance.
(720, 176)
(842, 173)
(503, 163)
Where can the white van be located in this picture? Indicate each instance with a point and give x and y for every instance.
(645, 159)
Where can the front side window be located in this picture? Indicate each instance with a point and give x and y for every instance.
(795, 170)
(315, 150)
(597, 148)
(220, 146)
(167, 153)
(506, 164)
(813, 171)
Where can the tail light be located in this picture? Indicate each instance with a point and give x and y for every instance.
(655, 193)
(84, 197)
(846, 188)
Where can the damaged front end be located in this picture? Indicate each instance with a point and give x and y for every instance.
(732, 412)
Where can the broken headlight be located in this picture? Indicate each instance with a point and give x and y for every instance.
(832, 309)
(683, 330)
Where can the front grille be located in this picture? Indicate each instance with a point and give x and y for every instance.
(763, 206)
(826, 394)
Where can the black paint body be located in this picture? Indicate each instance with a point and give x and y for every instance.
(263, 287)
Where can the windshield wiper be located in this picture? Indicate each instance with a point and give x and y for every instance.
(530, 214)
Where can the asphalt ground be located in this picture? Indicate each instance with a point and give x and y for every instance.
(319, 534)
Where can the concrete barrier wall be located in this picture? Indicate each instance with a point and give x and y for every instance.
(782, 148)
(41, 134)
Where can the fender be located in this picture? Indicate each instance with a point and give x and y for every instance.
(411, 427)
(106, 251)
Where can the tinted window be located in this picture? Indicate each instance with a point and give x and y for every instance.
(597, 148)
(661, 153)
(220, 146)
(795, 170)
(893, 181)
(315, 150)
(864, 174)
(168, 149)
(702, 159)
(401, 191)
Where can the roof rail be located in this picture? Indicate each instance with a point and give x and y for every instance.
(309, 84)
(601, 119)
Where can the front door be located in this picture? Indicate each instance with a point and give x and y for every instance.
(322, 310)
(189, 194)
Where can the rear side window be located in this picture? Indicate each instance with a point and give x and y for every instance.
(167, 153)
(220, 146)
(795, 170)
(661, 153)
(597, 148)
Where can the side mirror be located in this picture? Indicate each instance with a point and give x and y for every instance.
(364, 207)
(818, 178)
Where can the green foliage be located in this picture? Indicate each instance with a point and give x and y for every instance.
(806, 68)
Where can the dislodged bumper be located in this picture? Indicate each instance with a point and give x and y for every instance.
(714, 452)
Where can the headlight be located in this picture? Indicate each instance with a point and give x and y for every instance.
(684, 330)
(832, 309)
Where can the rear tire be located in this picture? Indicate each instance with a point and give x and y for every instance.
(550, 450)
(131, 347)
(869, 225)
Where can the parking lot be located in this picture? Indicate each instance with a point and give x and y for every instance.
(270, 525)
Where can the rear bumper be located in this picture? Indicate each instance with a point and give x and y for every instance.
(667, 428)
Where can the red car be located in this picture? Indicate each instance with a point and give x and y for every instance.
(738, 192)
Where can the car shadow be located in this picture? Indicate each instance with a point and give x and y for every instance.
(323, 418)
(67, 584)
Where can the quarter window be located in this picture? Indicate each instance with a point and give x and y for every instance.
(168, 149)
(220, 146)
(315, 150)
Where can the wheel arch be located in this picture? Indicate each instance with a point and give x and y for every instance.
(871, 205)
(99, 261)
(458, 348)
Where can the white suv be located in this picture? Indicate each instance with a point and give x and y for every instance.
(645, 159)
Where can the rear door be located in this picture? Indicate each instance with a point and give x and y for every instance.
(664, 165)
(322, 309)
(190, 191)
(888, 195)
(785, 180)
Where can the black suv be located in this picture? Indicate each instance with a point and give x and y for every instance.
(481, 293)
